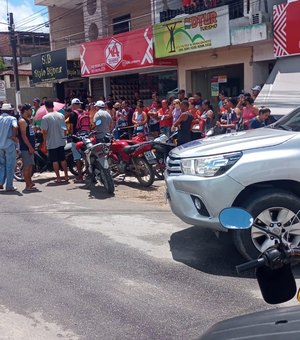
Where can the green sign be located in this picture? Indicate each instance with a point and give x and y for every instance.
(200, 31)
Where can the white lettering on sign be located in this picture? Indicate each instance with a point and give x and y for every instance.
(113, 53)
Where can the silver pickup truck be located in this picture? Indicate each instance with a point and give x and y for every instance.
(258, 170)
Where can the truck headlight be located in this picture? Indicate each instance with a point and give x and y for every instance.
(209, 166)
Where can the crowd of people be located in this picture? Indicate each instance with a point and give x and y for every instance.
(190, 116)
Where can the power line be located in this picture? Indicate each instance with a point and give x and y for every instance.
(69, 12)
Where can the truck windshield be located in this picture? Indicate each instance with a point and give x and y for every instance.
(290, 122)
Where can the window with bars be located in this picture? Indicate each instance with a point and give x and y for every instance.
(121, 24)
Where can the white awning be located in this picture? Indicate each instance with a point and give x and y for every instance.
(281, 92)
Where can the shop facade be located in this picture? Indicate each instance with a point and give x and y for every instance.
(124, 66)
(213, 54)
(57, 68)
(282, 88)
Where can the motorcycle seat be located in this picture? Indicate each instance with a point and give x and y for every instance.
(131, 148)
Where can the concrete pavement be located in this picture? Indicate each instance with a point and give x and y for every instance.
(77, 264)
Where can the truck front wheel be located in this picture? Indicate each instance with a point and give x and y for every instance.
(276, 210)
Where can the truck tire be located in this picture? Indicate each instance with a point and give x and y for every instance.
(272, 208)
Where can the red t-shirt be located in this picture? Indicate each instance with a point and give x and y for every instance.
(165, 119)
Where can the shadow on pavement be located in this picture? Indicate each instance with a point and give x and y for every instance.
(135, 185)
(11, 193)
(202, 250)
(95, 191)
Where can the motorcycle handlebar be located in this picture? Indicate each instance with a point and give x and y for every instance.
(251, 265)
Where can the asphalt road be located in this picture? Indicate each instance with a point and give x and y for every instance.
(77, 264)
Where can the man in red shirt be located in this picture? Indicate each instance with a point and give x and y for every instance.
(165, 118)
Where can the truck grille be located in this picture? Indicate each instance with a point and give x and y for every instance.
(173, 166)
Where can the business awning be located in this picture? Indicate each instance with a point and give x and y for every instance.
(281, 92)
(122, 54)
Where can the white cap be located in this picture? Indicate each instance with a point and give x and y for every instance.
(100, 103)
(6, 106)
(256, 88)
(76, 101)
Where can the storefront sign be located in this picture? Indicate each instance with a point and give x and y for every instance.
(49, 66)
(200, 31)
(73, 69)
(286, 29)
(214, 85)
(2, 90)
(222, 79)
(126, 51)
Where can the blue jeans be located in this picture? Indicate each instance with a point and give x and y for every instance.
(76, 153)
(7, 166)
(165, 130)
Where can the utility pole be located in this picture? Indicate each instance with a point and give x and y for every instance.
(13, 42)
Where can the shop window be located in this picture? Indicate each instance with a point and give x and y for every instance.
(121, 24)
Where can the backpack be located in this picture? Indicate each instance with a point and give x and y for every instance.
(83, 121)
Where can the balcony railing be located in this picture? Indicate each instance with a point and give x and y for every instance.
(236, 9)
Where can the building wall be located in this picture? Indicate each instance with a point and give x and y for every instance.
(95, 20)
(66, 27)
(5, 49)
(140, 12)
(204, 60)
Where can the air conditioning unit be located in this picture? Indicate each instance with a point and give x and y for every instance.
(256, 18)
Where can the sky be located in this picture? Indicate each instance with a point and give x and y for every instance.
(27, 16)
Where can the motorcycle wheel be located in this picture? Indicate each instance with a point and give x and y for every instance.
(160, 167)
(18, 176)
(114, 167)
(106, 179)
(144, 172)
(72, 166)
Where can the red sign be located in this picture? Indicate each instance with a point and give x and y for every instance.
(126, 51)
(286, 29)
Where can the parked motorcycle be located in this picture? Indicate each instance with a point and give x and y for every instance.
(95, 156)
(276, 282)
(161, 148)
(129, 158)
(41, 161)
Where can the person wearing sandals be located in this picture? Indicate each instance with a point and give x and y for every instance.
(27, 145)
(53, 127)
(8, 142)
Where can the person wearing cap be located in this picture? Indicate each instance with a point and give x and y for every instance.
(27, 145)
(103, 122)
(53, 127)
(8, 142)
(76, 111)
(255, 91)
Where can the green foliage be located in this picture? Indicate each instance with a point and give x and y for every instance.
(2, 65)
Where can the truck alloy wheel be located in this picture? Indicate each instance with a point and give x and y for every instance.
(276, 210)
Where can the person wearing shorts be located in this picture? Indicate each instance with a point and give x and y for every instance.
(54, 127)
(27, 145)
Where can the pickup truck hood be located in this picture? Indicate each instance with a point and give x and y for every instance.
(226, 143)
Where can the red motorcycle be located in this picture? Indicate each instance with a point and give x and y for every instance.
(130, 158)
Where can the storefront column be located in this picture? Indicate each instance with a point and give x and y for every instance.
(248, 76)
(106, 85)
